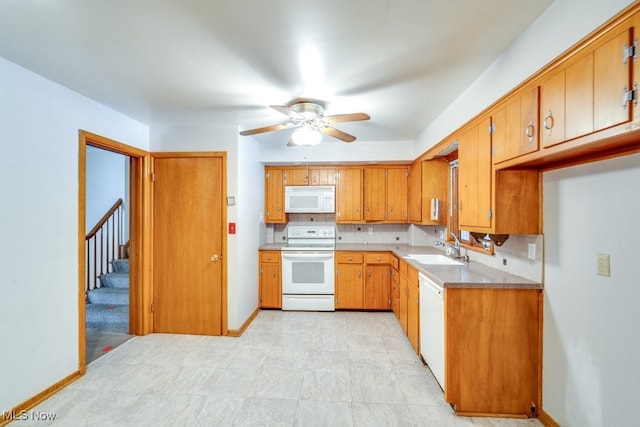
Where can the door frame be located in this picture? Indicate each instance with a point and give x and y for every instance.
(224, 259)
(140, 293)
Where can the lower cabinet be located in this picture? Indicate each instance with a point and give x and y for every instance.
(493, 348)
(363, 280)
(270, 287)
(349, 280)
(395, 292)
(409, 312)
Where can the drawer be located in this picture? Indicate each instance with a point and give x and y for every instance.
(379, 258)
(349, 257)
(269, 256)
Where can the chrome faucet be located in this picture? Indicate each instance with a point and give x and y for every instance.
(453, 249)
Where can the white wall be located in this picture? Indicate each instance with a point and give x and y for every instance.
(39, 123)
(591, 347)
(562, 25)
(106, 181)
(242, 273)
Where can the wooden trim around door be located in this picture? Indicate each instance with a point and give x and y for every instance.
(140, 235)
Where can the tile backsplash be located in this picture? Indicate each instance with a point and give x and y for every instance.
(512, 256)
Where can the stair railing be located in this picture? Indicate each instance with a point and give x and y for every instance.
(102, 244)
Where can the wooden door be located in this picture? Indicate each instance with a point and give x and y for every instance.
(187, 245)
(552, 109)
(397, 194)
(349, 195)
(274, 196)
(349, 286)
(296, 176)
(375, 197)
(377, 285)
(611, 73)
(413, 314)
(474, 174)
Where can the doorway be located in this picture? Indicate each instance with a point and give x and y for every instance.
(189, 246)
(139, 244)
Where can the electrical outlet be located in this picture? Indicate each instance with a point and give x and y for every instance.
(532, 251)
(370, 230)
(604, 265)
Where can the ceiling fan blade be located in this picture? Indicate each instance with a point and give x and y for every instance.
(287, 112)
(265, 129)
(353, 117)
(338, 134)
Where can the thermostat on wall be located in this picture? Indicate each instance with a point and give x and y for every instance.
(231, 200)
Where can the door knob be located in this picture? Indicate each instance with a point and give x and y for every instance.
(215, 258)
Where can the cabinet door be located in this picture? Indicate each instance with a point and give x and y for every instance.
(322, 176)
(413, 315)
(474, 177)
(296, 176)
(552, 109)
(375, 197)
(579, 98)
(516, 127)
(377, 286)
(274, 196)
(349, 195)
(435, 184)
(270, 288)
(611, 75)
(397, 184)
(415, 192)
(404, 301)
(395, 292)
(349, 286)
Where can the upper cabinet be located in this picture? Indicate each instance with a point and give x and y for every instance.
(386, 194)
(322, 176)
(474, 176)
(274, 196)
(588, 92)
(515, 126)
(296, 175)
(348, 195)
(428, 185)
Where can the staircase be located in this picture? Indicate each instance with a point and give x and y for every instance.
(108, 306)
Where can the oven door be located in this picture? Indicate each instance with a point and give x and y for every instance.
(308, 272)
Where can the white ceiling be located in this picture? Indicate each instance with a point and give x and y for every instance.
(224, 61)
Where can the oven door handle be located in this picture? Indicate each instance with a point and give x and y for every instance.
(307, 255)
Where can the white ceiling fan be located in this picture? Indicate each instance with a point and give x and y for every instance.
(307, 116)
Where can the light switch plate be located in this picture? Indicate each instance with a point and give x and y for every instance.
(604, 265)
(532, 251)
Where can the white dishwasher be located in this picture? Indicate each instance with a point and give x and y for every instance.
(432, 326)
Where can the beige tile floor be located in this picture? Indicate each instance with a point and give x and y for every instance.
(287, 369)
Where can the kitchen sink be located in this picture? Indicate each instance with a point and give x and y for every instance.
(433, 259)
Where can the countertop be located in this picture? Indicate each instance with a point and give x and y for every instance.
(471, 274)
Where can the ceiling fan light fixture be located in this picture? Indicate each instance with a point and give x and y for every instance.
(306, 135)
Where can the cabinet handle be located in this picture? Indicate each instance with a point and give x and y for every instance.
(350, 258)
(378, 259)
(369, 273)
(274, 273)
(359, 274)
(529, 131)
(549, 122)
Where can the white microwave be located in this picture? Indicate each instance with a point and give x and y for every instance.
(309, 199)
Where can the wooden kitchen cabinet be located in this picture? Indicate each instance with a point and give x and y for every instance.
(474, 176)
(428, 180)
(322, 176)
(349, 280)
(395, 292)
(296, 175)
(515, 126)
(274, 196)
(349, 195)
(492, 351)
(409, 304)
(377, 287)
(270, 285)
(386, 194)
(494, 201)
